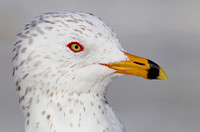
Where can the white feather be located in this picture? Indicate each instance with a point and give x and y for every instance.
(60, 90)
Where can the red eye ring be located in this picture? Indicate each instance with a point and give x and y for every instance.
(75, 47)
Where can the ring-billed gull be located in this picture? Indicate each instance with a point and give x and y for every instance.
(62, 64)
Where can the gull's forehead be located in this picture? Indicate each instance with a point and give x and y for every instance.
(78, 23)
(69, 26)
(76, 20)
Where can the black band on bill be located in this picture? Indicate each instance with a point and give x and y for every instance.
(153, 72)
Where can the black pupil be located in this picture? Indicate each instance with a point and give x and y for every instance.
(76, 46)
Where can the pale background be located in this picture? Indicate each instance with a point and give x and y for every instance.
(166, 31)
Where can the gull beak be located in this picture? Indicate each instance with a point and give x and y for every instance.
(139, 66)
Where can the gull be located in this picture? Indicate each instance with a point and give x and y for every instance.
(62, 65)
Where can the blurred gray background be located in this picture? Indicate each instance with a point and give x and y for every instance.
(166, 31)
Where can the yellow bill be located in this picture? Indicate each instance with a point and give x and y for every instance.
(139, 66)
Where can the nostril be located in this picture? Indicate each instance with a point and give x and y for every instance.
(139, 63)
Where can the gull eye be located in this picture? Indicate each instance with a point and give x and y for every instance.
(75, 47)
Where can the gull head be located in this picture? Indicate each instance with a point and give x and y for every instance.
(59, 54)
(45, 52)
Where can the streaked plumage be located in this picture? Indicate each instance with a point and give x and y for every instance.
(60, 90)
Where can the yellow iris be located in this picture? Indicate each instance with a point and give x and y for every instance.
(75, 47)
